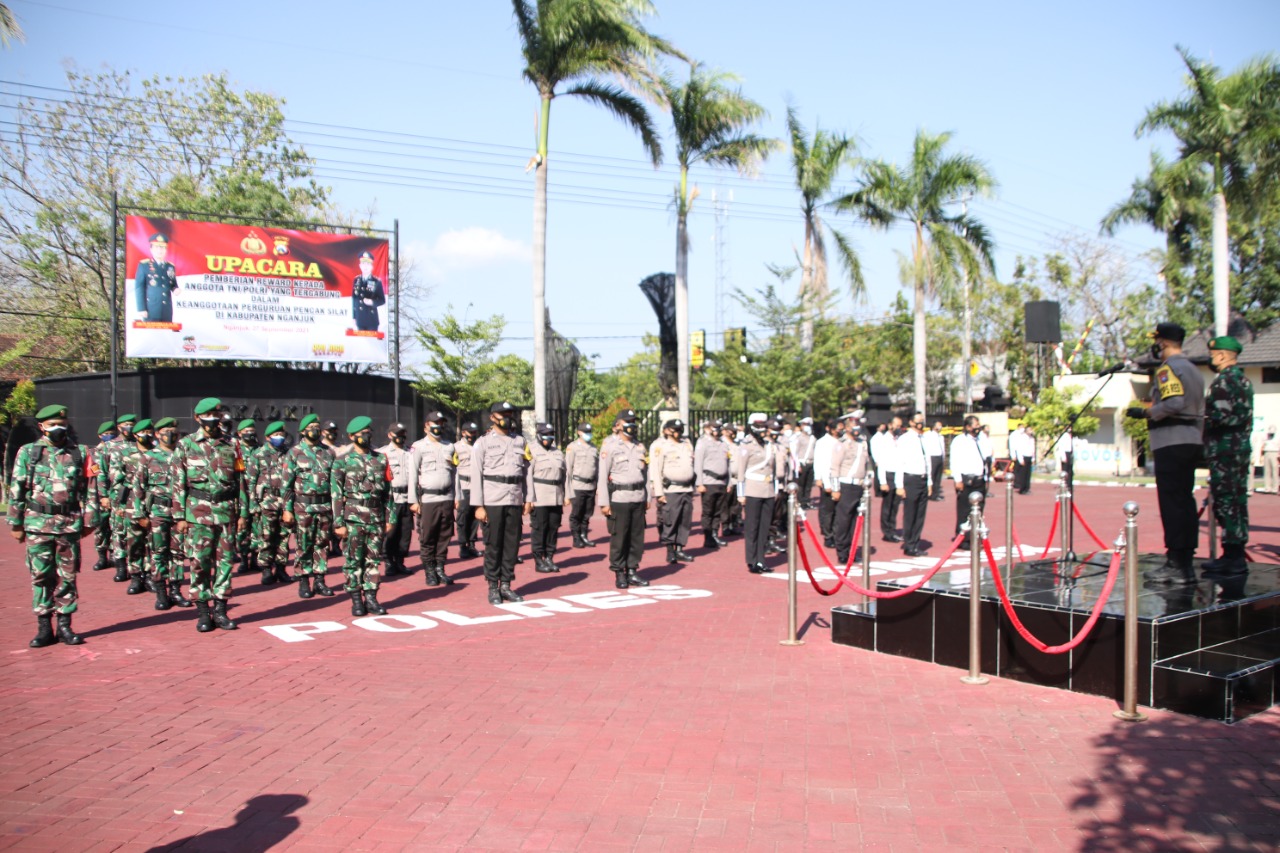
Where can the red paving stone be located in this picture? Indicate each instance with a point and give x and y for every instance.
(669, 725)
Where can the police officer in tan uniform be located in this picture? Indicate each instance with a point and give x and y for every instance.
(623, 495)
(760, 466)
(397, 542)
(431, 491)
(711, 481)
(464, 510)
(849, 460)
(499, 461)
(672, 479)
(582, 461)
(545, 485)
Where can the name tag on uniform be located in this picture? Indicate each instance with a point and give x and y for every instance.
(1167, 383)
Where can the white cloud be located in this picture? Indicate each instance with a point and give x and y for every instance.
(465, 249)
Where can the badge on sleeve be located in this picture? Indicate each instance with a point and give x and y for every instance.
(1167, 383)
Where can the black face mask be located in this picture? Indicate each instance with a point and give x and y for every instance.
(311, 435)
(211, 426)
(168, 438)
(547, 441)
(398, 440)
(56, 434)
(147, 441)
(361, 440)
(1157, 351)
(436, 429)
(631, 430)
(249, 440)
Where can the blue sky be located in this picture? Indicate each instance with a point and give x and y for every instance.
(419, 110)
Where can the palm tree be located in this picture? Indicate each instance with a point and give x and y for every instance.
(1223, 125)
(570, 47)
(943, 243)
(816, 162)
(710, 116)
(10, 29)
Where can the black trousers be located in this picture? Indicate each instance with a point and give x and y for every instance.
(889, 506)
(501, 542)
(580, 508)
(826, 514)
(914, 506)
(935, 471)
(804, 483)
(544, 527)
(971, 483)
(626, 540)
(435, 529)
(755, 516)
(1175, 482)
(778, 519)
(1022, 475)
(733, 515)
(715, 509)
(846, 521)
(467, 532)
(675, 518)
(397, 543)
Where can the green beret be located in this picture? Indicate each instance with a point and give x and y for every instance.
(1226, 342)
(273, 428)
(52, 411)
(126, 419)
(358, 423)
(245, 424)
(309, 420)
(207, 405)
(166, 422)
(145, 423)
(106, 426)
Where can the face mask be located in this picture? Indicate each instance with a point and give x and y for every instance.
(311, 435)
(361, 440)
(757, 432)
(547, 442)
(1156, 350)
(631, 430)
(56, 434)
(398, 440)
(277, 441)
(147, 441)
(468, 437)
(250, 439)
(105, 437)
(126, 434)
(585, 436)
(436, 429)
(808, 430)
(213, 426)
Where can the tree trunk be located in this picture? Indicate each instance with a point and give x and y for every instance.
(918, 345)
(966, 380)
(806, 290)
(1221, 266)
(682, 310)
(540, 269)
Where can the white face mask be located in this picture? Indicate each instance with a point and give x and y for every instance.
(808, 430)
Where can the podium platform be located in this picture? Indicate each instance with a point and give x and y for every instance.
(1211, 650)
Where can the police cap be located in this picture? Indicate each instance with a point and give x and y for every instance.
(358, 423)
(497, 408)
(330, 426)
(434, 418)
(1170, 332)
(625, 416)
(207, 405)
(546, 429)
(397, 429)
(470, 426)
(56, 410)
(674, 423)
(1226, 342)
(584, 427)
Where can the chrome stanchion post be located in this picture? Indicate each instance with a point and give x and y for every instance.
(792, 639)
(1008, 528)
(977, 532)
(1064, 523)
(864, 508)
(1130, 541)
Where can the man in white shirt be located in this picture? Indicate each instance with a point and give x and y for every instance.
(1022, 452)
(968, 471)
(884, 454)
(822, 450)
(802, 451)
(912, 466)
(936, 445)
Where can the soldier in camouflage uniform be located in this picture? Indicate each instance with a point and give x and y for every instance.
(247, 438)
(208, 499)
(124, 470)
(152, 511)
(264, 479)
(307, 503)
(1228, 422)
(102, 530)
(51, 489)
(361, 491)
(106, 474)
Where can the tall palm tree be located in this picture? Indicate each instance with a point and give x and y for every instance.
(710, 116)
(944, 243)
(1223, 125)
(816, 162)
(10, 29)
(574, 47)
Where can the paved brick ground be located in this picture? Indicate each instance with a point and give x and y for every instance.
(670, 725)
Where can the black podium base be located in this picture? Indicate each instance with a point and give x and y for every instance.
(1211, 649)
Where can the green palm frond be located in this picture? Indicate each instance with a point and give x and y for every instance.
(626, 107)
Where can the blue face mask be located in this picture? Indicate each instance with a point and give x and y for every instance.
(105, 436)
(277, 440)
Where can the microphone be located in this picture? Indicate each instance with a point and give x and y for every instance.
(1115, 368)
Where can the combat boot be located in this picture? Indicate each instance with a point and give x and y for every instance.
(357, 603)
(281, 574)
(149, 583)
(320, 588)
(122, 572)
(65, 634)
(620, 578)
(220, 615)
(671, 554)
(1232, 562)
(495, 597)
(103, 562)
(304, 586)
(176, 598)
(136, 585)
(682, 556)
(508, 594)
(586, 542)
(44, 632)
(371, 602)
(245, 566)
(162, 597)
(542, 565)
(441, 576)
(551, 564)
(204, 620)
(634, 579)
(710, 542)
(720, 543)
(429, 574)
(268, 575)
(1174, 571)
(467, 552)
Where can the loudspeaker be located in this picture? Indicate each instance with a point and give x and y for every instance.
(877, 408)
(1043, 322)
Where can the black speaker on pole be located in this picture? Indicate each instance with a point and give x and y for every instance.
(1043, 322)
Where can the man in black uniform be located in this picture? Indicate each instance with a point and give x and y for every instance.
(367, 296)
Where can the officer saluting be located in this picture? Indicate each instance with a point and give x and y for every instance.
(367, 295)
(499, 460)
(154, 283)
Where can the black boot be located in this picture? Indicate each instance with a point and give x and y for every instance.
(466, 552)
(371, 602)
(709, 542)
(304, 586)
(204, 620)
(720, 543)
(176, 598)
(671, 554)
(246, 565)
(586, 541)
(122, 572)
(682, 556)
(1232, 562)
(551, 564)
(1174, 571)
(620, 578)
(495, 597)
(542, 565)
(162, 597)
(136, 585)
(65, 634)
(281, 575)
(357, 603)
(149, 583)
(507, 594)
(220, 615)
(44, 632)
(103, 562)
(634, 579)
(757, 569)
(429, 574)
(444, 579)
(319, 588)
(268, 575)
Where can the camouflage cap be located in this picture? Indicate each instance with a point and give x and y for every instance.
(106, 426)
(1226, 342)
(207, 405)
(166, 422)
(309, 420)
(245, 424)
(56, 410)
(141, 425)
(358, 423)
(273, 428)
(126, 419)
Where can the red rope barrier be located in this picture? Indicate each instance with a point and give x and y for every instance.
(843, 580)
(1022, 558)
(1075, 508)
(1053, 528)
(1113, 572)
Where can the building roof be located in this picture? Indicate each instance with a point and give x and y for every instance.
(1260, 348)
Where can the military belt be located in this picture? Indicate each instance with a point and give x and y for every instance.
(715, 476)
(399, 490)
(666, 482)
(443, 491)
(584, 479)
(313, 497)
(625, 487)
(54, 509)
(367, 503)
(1168, 422)
(462, 479)
(546, 482)
(501, 478)
(215, 497)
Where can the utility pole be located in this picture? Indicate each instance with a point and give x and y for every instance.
(968, 330)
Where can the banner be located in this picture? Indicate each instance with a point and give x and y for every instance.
(212, 290)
